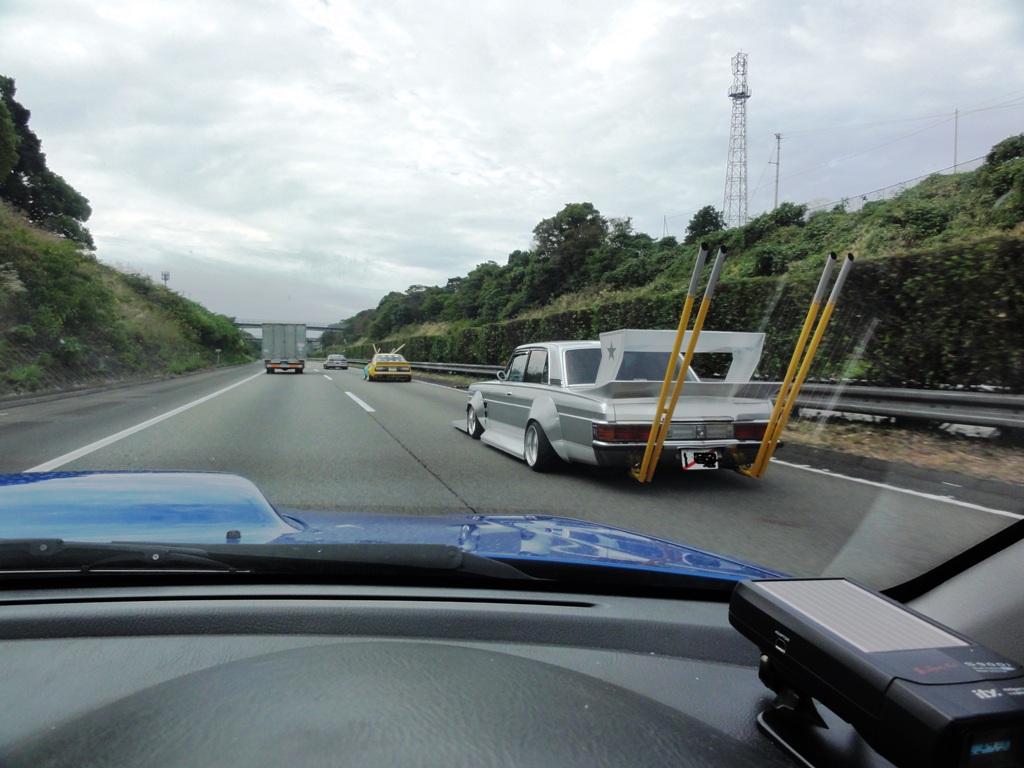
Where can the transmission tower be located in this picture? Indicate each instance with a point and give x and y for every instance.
(734, 210)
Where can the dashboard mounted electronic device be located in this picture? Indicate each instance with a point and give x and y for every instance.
(920, 694)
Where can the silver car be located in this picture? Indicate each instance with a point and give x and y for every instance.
(336, 361)
(594, 402)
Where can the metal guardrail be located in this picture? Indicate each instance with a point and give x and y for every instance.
(978, 409)
(483, 371)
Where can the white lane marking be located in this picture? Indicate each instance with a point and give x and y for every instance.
(434, 384)
(85, 451)
(362, 405)
(919, 494)
(328, 377)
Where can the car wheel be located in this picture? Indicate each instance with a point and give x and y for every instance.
(537, 448)
(473, 423)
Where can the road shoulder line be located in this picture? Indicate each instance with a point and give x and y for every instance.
(86, 450)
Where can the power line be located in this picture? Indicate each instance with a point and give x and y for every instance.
(1016, 100)
(901, 185)
(1005, 101)
(948, 119)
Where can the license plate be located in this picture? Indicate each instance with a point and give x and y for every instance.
(700, 460)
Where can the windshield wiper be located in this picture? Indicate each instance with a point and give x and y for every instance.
(363, 560)
(19, 555)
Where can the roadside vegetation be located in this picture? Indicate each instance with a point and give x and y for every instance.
(66, 320)
(935, 298)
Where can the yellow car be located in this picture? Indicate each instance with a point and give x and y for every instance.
(387, 367)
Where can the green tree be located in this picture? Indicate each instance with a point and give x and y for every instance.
(46, 198)
(464, 300)
(1005, 150)
(566, 241)
(704, 222)
(1003, 172)
(627, 259)
(58, 207)
(8, 142)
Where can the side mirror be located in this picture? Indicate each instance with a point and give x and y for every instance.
(501, 375)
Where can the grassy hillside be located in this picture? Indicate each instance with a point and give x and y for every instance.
(935, 298)
(67, 320)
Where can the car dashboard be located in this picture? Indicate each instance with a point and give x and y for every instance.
(324, 675)
(217, 670)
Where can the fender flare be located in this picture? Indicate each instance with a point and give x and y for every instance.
(543, 411)
(476, 402)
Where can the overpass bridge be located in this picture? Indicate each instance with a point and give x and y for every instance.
(309, 326)
(313, 330)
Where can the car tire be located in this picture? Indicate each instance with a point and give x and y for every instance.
(473, 423)
(270, 370)
(537, 450)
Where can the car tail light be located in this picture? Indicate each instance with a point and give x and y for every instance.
(622, 433)
(749, 431)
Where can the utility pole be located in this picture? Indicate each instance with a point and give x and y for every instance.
(778, 152)
(956, 130)
(165, 276)
(735, 205)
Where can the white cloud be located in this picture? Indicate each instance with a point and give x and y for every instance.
(332, 152)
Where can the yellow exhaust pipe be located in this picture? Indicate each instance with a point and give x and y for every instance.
(663, 415)
(779, 420)
(794, 361)
(640, 473)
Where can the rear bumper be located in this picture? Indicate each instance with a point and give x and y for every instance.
(731, 455)
(391, 375)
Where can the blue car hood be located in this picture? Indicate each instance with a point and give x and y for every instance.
(217, 508)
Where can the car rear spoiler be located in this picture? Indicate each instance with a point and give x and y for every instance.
(745, 348)
(724, 390)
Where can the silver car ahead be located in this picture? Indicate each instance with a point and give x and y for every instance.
(336, 361)
(594, 402)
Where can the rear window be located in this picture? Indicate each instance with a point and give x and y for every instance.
(581, 365)
(648, 366)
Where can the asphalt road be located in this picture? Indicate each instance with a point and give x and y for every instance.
(327, 441)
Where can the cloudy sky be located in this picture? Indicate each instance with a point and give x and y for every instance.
(299, 159)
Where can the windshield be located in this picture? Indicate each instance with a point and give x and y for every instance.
(202, 205)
